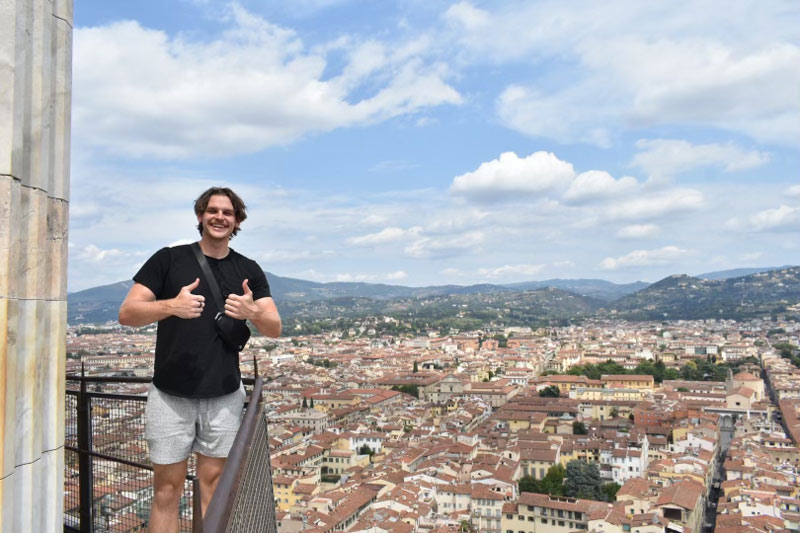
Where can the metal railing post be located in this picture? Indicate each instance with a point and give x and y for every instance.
(197, 512)
(85, 476)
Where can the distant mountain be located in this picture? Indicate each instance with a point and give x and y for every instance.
(101, 304)
(687, 297)
(98, 304)
(674, 297)
(524, 307)
(738, 272)
(593, 288)
(291, 289)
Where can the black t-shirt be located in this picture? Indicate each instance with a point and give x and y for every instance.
(191, 358)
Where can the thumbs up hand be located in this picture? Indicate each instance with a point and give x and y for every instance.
(188, 305)
(241, 307)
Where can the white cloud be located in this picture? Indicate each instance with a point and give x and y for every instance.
(793, 191)
(506, 271)
(750, 257)
(311, 274)
(562, 116)
(288, 256)
(509, 176)
(661, 158)
(180, 242)
(447, 221)
(701, 81)
(464, 14)
(638, 231)
(386, 235)
(143, 93)
(93, 254)
(640, 258)
(348, 277)
(368, 278)
(373, 220)
(563, 264)
(783, 218)
(444, 247)
(596, 184)
(658, 204)
(599, 71)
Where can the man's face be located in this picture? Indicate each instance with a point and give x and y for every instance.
(219, 219)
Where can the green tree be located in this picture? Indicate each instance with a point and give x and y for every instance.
(610, 367)
(610, 490)
(305, 403)
(786, 349)
(311, 404)
(589, 370)
(583, 481)
(553, 482)
(690, 372)
(529, 484)
(366, 450)
(551, 391)
(579, 428)
(466, 527)
(576, 370)
(671, 374)
(659, 368)
(645, 368)
(416, 367)
(413, 390)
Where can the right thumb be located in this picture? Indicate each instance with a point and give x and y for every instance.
(193, 285)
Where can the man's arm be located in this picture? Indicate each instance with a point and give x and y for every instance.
(141, 308)
(262, 312)
(267, 321)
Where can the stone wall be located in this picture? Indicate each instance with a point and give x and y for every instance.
(35, 97)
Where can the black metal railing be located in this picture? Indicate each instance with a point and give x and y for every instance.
(108, 475)
(243, 500)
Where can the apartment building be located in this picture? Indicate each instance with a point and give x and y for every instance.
(541, 513)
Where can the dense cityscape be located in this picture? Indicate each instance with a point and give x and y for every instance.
(608, 426)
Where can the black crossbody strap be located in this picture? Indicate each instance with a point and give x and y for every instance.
(212, 281)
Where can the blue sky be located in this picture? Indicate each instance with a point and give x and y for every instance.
(430, 142)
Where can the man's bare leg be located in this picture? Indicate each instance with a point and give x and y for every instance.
(168, 486)
(209, 470)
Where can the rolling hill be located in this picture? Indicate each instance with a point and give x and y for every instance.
(675, 297)
(687, 297)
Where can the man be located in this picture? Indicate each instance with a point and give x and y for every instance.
(196, 397)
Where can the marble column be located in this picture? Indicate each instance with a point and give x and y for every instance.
(35, 98)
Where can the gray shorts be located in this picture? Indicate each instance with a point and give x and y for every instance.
(175, 426)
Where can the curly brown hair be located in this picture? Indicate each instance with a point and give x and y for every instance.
(239, 209)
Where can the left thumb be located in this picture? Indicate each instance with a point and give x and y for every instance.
(246, 287)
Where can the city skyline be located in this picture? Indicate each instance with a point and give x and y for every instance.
(425, 143)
